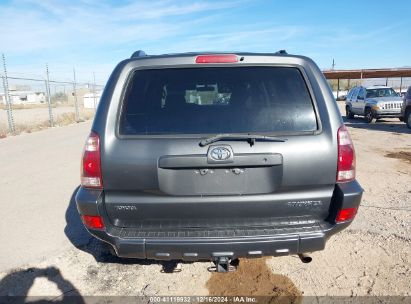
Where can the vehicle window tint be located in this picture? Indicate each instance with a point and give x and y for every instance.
(349, 94)
(361, 94)
(217, 100)
(381, 92)
(354, 93)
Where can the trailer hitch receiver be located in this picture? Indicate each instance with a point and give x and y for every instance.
(224, 264)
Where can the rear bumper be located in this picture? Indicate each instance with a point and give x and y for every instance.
(194, 249)
(197, 244)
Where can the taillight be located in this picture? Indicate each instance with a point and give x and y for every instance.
(93, 221)
(346, 214)
(91, 167)
(226, 58)
(346, 156)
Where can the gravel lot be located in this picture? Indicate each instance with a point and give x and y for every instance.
(38, 117)
(34, 115)
(371, 257)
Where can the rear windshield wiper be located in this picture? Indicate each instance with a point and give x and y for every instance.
(250, 138)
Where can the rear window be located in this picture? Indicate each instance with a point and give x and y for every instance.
(217, 100)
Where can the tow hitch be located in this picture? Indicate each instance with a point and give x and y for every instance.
(170, 267)
(224, 264)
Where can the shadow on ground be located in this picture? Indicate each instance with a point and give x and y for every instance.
(392, 125)
(82, 240)
(15, 286)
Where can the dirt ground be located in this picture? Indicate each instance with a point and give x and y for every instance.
(252, 278)
(370, 257)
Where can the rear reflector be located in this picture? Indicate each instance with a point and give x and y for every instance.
(91, 168)
(346, 214)
(346, 156)
(93, 221)
(217, 58)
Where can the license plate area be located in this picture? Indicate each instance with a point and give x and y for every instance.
(220, 181)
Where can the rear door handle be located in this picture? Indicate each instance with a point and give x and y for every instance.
(239, 160)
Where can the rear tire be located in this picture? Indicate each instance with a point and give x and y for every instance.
(407, 118)
(369, 116)
(348, 113)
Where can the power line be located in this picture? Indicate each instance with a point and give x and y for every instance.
(52, 81)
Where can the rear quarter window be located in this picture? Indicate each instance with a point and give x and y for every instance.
(217, 100)
(350, 94)
(354, 93)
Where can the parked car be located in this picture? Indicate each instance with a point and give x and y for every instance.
(373, 103)
(406, 108)
(402, 94)
(341, 98)
(170, 172)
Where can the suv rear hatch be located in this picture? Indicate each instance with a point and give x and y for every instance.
(157, 176)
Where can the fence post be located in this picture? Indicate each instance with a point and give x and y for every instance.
(75, 97)
(94, 90)
(338, 88)
(400, 85)
(10, 118)
(51, 119)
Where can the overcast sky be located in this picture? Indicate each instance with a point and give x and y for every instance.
(93, 36)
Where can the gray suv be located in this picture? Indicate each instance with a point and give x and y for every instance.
(215, 157)
(373, 103)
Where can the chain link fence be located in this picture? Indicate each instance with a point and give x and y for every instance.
(30, 104)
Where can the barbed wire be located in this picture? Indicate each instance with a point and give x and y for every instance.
(52, 81)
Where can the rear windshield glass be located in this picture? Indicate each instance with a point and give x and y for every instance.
(217, 100)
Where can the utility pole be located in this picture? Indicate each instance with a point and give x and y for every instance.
(333, 65)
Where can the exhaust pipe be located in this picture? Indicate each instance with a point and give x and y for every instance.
(305, 258)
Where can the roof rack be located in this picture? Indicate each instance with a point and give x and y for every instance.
(282, 52)
(138, 53)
